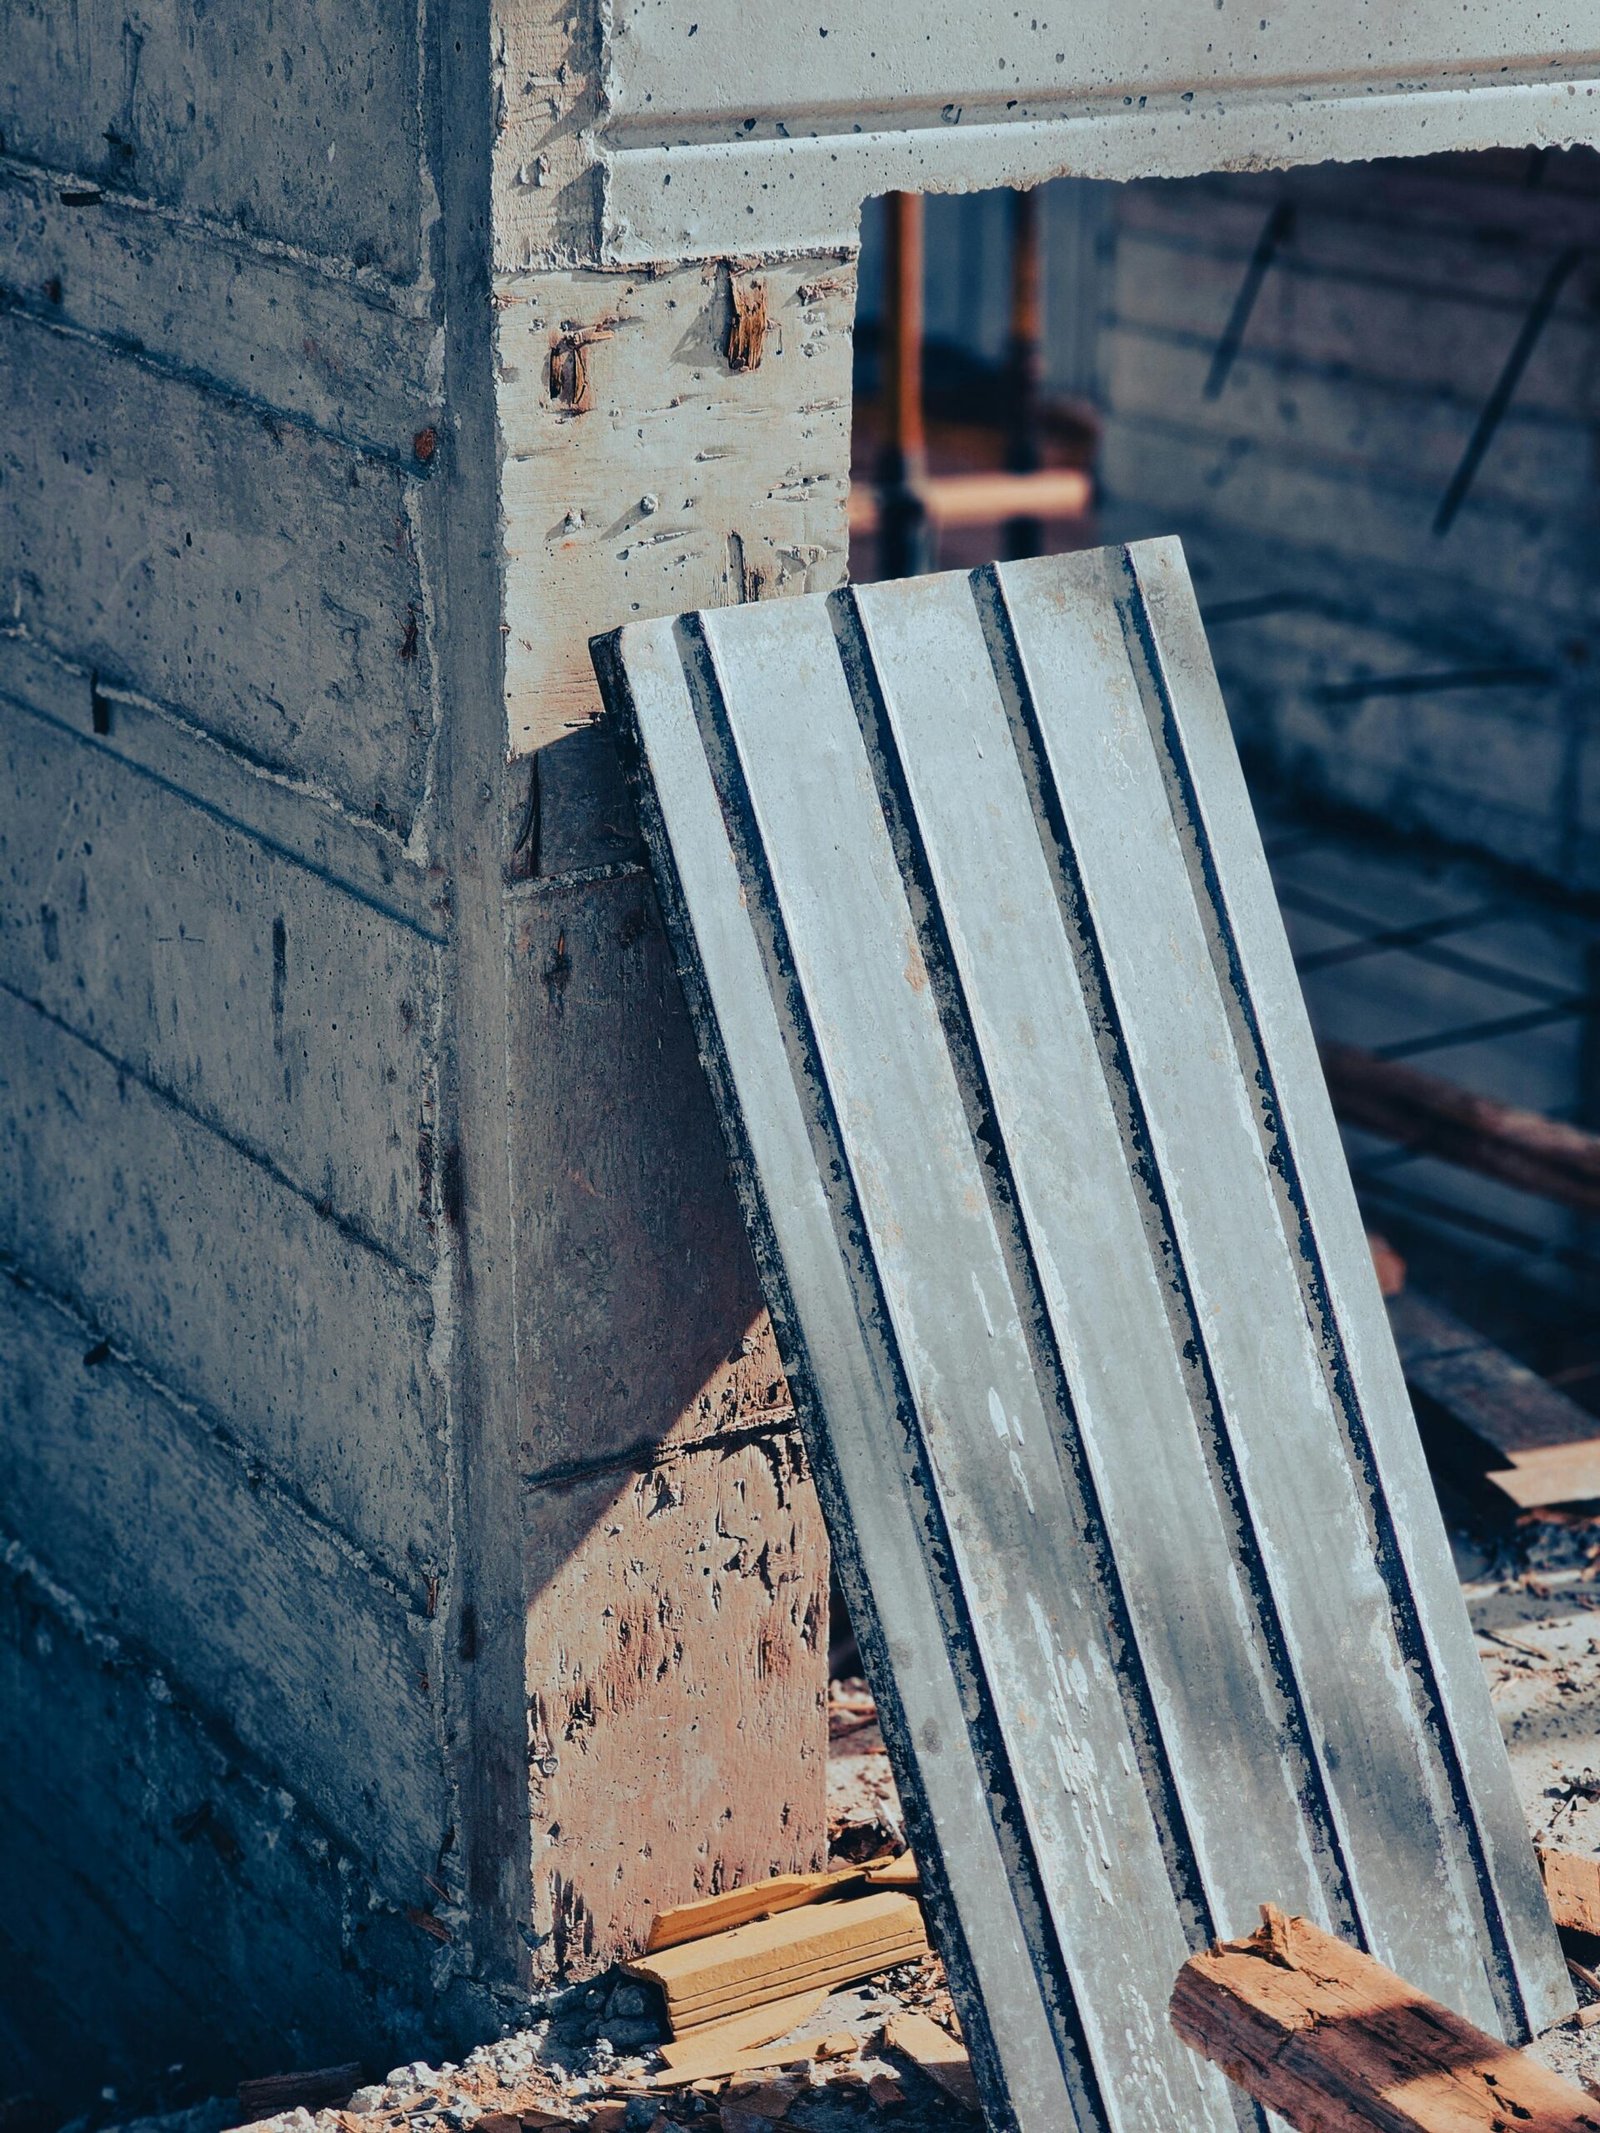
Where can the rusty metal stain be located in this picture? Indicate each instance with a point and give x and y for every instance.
(747, 328)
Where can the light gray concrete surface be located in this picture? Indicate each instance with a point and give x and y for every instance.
(373, 1347)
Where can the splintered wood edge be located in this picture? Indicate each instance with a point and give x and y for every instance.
(1571, 1887)
(1335, 2042)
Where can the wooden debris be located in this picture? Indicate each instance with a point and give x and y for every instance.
(886, 2092)
(1482, 1409)
(1387, 1264)
(718, 2045)
(313, 2089)
(747, 329)
(1437, 1117)
(819, 1946)
(1334, 2042)
(986, 499)
(935, 2052)
(1586, 2017)
(1572, 1887)
(736, 1907)
(608, 2117)
(751, 2109)
(898, 1873)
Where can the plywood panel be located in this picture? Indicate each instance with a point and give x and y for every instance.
(678, 1724)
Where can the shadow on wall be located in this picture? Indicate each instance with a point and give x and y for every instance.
(676, 1561)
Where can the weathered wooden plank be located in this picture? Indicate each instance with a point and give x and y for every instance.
(309, 1348)
(326, 349)
(754, 1899)
(1499, 1419)
(1336, 2042)
(147, 1856)
(288, 125)
(263, 1619)
(259, 578)
(670, 484)
(863, 842)
(1524, 1148)
(676, 1744)
(829, 1944)
(276, 1003)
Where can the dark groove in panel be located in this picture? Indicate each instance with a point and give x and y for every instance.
(1254, 1059)
(1177, 1289)
(995, 1165)
(829, 1146)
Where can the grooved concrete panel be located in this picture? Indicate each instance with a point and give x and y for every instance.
(289, 121)
(1074, 1295)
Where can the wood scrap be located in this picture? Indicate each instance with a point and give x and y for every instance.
(1571, 1887)
(752, 2108)
(312, 2089)
(1482, 1411)
(817, 1946)
(935, 2052)
(897, 1873)
(793, 2051)
(1387, 1264)
(726, 2039)
(1524, 1148)
(1586, 2017)
(1335, 2042)
(736, 1907)
(986, 498)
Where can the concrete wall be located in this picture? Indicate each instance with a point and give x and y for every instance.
(233, 1824)
(1436, 673)
(675, 1556)
(411, 1576)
